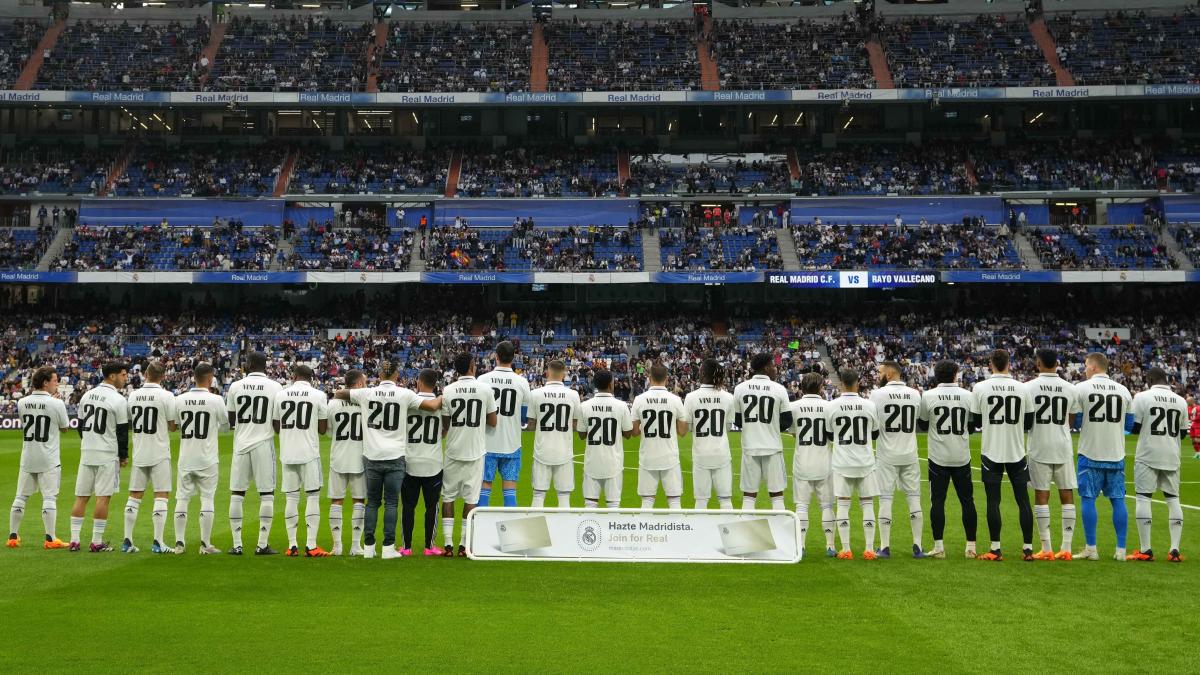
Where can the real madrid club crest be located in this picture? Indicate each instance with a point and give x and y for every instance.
(587, 534)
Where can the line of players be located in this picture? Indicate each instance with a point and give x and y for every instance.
(387, 447)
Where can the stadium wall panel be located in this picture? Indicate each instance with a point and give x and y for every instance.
(864, 210)
(180, 212)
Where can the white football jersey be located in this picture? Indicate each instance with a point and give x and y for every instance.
(1002, 402)
(511, 392)
(948, 409)
(809, 426)
(761, 402)
(603, 419)
(202, 417)
(1163, 416)
(852, 421)
(346, 430)
(708, 411)
(466, 403)
(100, 411)
(658, 410)
(554, 408)
(43, 417)
(1104, 403)
(299, 409)
(251, 400)
(1054, 401)
(898, 405)
(424, 453)
(386, 409)
(151, 409)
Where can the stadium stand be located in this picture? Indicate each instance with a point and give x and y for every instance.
(740, 247)
(1064, 165)
(986, 51)
(1129, 47)
(54, 169)
(224, 247)
(371, 169)
(823, 246)
(879, 170)
(732, 173)
(468, 56)
(119, 55)
(793, 55)
(622, 56)
(1119, 248)
(201, 171)
(538, 172)
(527, 247)
(18, 38)
(291, 54)
(22, 248)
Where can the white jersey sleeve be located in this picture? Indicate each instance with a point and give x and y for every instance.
(1163, 416)
(898, 406)
(812, 458)
(555, 409)
(658, 410)
(708, 412)
(511, 392)
(299, 409)
(151, 410)
(466, 404)
(1105, 404)
(1002, 403)
(948, 409)
(603, 420)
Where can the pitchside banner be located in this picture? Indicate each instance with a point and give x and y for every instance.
(633, 535)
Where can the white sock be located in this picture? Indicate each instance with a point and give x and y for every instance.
(131, 513)
(49, 516)
(1120, 554)
(749, 502)
(291, 516)
(868, 516)
(827, 524)
(1174, 521)
(1068, 526)
(843, 523)
(916, 519)
(266, 515)
(614, 503)
(539, 499)
(312, 519)
(76, 528)
(802, 516)
(726, 503)
(885, 522)
(16, 514)
(159, 517)
(1041, 513)
(938, 545)
(207, 511)
(357, 514)
(335, 524)
(180, 522)
(647, 502)
(235, 518)
(564, 500)
(98, 527)
(675, 503)
(995, 546)
(591, 503)
(777, 503)
(448, 531)
(1142, 514)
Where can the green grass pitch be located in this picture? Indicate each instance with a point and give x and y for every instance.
(119, 612)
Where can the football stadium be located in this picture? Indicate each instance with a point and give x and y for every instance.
(599, 336)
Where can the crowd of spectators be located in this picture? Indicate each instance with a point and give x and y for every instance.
(442, 56)
(709, 174)
(539, 172)
(201, 171)
(1077, 246)
(880, 170)
(1188, 238)
(52, 169)
(18, 39)
(222, 247)
(371, 170)
(369, 247)
(799, 54)
(291, 54)
(120, 55)
(23, 248)
(622, 56)
(1065, 164)
(984, 51)
(525, 246)
(1129, 47)
(742, 247)
(969, 245)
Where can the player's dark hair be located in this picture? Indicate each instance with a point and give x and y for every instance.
(355, 376)
(429, 377)
(463, 362)
(113, 367)
(256, 362)
(945, 372)
(155, 371)
(760, 361)
(602, 380)
(658, 372)
(505, 353)
(999, 359)
(812, 383)
(894, 365)
(302, 372)
(1100, 361)
(1156, 376)
(557, 367)
(388, 370)
(712, 373)
(42, 376)
(202, 371)
(849, 377)
(1047, 358)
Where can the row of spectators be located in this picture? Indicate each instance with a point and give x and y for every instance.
(528, 247)
(111, 55)
(740, 247)
(1076, 246)
(18, 39)
(539, 172)
(291, 54)
(970, 245)
(227, 246)
(1129, 47)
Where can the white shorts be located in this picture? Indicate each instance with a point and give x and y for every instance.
(258, 465)
(46, 482)
(705, 481)
(756, 468)
(339, 482)
(562, 475)
(611, 487)
(202, 482)
(158, 475)
(101, 480)
(905, 477)
(461, 480)
(846, 486)
(671, 479)
(803, 490)
(305, 476)
(1147, 480)
(1063, 475)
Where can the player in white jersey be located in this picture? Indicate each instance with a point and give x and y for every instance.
(659, 418)
(387, 408)
(346, 466)
(1161, 423)
(104, 449)
(504, 440)
(604, 424)
(468, 408)
(1005, 413)
(854, 424)
(761, 412)
(300, 415)
(43, 419)
(423, 471)
(810, 465)
(152, 419)
(708, 412)
(201, 416)
(553, 411)
(946, 412)
(1102, 452)
(896, 465)
(1051, 453)
(249, 402)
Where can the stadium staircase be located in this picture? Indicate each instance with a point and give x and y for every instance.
(879, 65)
(55, 249)
(287, 247)
(1045, 40)
(381, 33)
(710, 75)
(539, 60)
(210, 51)
(1177, 254)
(453, 173)
(787, 249)
(651, 251)
(826, 361)
(623, 169)
(720, 328)
(793, 164)
(418, 261)
(1025, 249)
(29, 73)
(285, 171)
(969, 169)
(117, 169)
